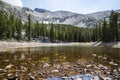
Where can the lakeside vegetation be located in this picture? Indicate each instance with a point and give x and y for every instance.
(14, 28)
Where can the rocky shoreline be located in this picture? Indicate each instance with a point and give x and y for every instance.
(107, 44)
(4, 45)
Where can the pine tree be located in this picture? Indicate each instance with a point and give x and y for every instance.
(12, 20)
(119, 27)
(51, 33)
(3, 25)
(29, 28)
(9, 29)
(20, 29)
(105, 32)
(113, 26)
(99, 31)
(43, 31)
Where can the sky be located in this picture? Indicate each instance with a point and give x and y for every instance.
(78, 6)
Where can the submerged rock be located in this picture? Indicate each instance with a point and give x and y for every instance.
(9, 75)
(104, 57)
(9, 66)
(31, 78)
(6, 60)
(23, 69)
(12, 78)
(88, 65)
(115, 70)
(3, 70)
(64, 78)
(100, 56)
(115, 64)
(94, 55)
(107, 78)
(102, 67)
(55, 71)
(46, 65)
(112, 63)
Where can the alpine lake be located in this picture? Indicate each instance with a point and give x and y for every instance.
(62, 61)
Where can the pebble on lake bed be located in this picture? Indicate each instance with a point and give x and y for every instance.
(31, 78)
(9, 66)
(65, 70)
(94, 55)
(112, 63)
(55, 71)
(88, 66)
(46, 65)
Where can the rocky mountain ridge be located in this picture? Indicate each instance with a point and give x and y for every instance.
(58, 17)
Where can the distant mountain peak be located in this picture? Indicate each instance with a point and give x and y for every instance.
(59, 17)
(27, 9)
(41, 10)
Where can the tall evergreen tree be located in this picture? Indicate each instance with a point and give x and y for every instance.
(3, 24)
(113, 26)
(9, 29)
(51, 33)
(119, 27)
(105, 32)
(12, 20)
(20, 29)
(29, 28)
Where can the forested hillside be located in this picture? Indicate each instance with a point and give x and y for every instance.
(12, 28)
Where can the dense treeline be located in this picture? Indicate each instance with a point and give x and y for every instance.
(14, 28)
(109, 31)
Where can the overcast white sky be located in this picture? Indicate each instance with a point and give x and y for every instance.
(14, 2)
(79, 6)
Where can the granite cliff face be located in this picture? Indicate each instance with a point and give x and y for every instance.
(60, 17)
